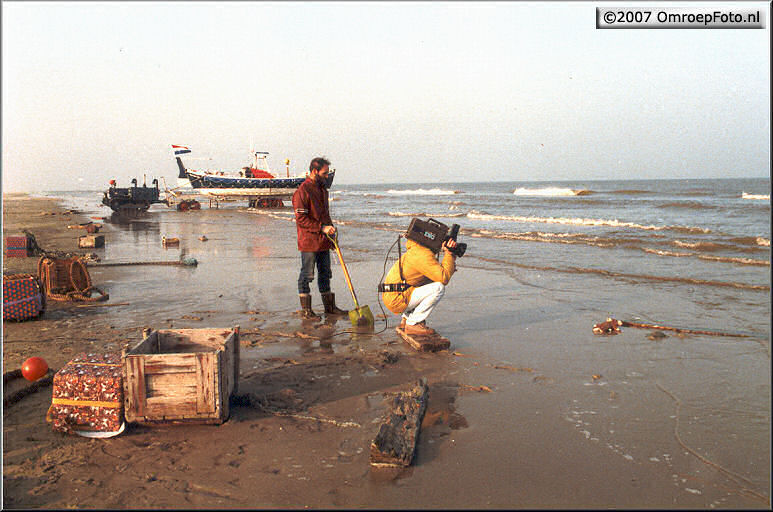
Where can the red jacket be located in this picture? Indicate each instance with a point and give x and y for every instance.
(311, 213)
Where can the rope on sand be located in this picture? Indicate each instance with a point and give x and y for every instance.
(315, 418)
(735, 477)
(187, 262)
(18, 395)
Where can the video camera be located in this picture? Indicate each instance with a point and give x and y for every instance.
(432, 234)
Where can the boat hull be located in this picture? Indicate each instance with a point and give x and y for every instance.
(212, 182)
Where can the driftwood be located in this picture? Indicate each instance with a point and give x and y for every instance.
(685, 331)
(398, 434)
(612, 326)
(431, 343)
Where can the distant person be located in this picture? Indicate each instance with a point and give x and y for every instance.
(312, 220)
(427, 279)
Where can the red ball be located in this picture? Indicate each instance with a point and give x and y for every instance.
(34, 368)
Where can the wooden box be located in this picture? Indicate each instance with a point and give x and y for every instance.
(89, 241)
(181, 376)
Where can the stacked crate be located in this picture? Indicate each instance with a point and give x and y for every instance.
(18, 246)
(23, 297)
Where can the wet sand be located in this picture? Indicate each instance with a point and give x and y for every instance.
(528, 410)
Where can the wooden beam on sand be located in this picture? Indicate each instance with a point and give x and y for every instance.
(681, 331)
(430, 343)
(395, 443)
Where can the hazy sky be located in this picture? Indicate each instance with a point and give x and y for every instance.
(389, 91)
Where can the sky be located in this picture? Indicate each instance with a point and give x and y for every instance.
(389, 92)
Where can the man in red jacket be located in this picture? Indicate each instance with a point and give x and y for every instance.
(312, 219)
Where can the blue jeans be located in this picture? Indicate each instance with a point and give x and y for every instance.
(322, 261)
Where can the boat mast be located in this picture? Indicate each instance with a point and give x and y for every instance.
(265, 161)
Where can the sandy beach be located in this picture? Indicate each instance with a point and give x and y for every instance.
(528, 409)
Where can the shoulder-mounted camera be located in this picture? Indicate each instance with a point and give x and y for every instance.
(432, 234)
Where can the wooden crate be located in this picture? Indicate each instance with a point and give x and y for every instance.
(181, 375)
(89, 241)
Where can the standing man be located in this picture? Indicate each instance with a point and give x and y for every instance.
(312, 219)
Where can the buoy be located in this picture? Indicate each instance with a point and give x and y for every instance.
(34, 368)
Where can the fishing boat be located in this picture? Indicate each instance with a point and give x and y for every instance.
(253, 181)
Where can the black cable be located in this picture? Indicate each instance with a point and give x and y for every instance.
(383, 313)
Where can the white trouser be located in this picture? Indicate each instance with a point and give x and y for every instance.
(423, 301)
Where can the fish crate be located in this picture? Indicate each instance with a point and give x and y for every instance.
(18, 246)
(23, 297)
(88, 394)
(181, 376)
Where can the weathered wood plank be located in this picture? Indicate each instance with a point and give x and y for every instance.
(148, 345)
(205, 377)
(236, 344)
(168, 407)
(170, 363)
(225, 373)
(398, 434)
(425, 343)
(134, 387)
(170, 384)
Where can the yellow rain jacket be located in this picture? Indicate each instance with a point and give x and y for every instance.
(420, 267)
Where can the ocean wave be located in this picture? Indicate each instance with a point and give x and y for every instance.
(660, 252)
(703, 246)
(631, 192)
(274, 215)
(425, 192)
(740, 261)
(762, 197)
(756, 241)
(585, 222)
(621, 242)
(424, 214)
(360, 193)
(689, 205)
(637, 277)
(551, 192)
(538, 236)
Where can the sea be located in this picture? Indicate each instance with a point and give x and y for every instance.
(706, 237)
(545, 261)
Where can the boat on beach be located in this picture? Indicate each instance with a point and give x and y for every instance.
(253, 181)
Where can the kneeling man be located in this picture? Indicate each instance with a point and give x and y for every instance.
(426, 279)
